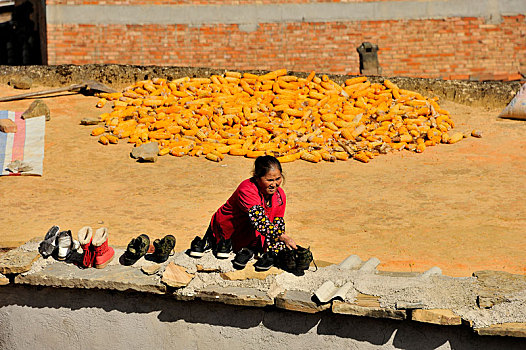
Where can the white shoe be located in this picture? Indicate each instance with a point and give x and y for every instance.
(65, 244)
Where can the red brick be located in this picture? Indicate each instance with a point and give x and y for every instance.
(516, 76)
(459, 77)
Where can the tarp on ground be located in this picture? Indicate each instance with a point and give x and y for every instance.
(26, 145)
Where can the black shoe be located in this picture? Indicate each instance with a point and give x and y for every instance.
(49, 244)
(224, 248)
(242, 258)
(163, 248)
(303, 258)
(137, 248)
(199, 246)
(265, 262)
(287, 260)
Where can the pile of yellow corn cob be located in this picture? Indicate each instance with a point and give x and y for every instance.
(291, 118)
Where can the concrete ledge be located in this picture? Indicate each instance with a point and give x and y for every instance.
(387, 295)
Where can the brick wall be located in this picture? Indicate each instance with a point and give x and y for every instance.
(451, 47)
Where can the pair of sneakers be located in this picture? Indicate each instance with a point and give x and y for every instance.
(58, 242)
(295, 260)
(139, 246)
(200, 246)
(264, 262)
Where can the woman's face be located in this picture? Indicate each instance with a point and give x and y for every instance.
(269, 183)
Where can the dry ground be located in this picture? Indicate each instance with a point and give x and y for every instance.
(460, 207)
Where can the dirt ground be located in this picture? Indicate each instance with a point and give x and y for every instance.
(460, 207)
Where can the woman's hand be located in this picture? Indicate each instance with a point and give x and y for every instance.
(289, 242)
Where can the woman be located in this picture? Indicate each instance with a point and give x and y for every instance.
(251, 220)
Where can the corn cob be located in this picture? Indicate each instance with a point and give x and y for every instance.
(97, 131)
(103, 139)
(112, 138)
(360, 156)
(456, 137)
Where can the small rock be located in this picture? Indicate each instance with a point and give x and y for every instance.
(37, 109)
(485, 302)
(146, 152)
(404, 305)
(476, 133)
(151, 269)
(24, 82)
(7, 125)
(90, 121)
(3, 280)
(488, 301)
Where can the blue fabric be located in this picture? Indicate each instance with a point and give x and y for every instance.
(3, 140)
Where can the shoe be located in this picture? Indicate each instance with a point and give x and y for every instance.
(242, 258)
(224, 248)
(303, 258)
(65, 245)
(102, 251)
(137, 248)
(163, 248)
(199, 246)
(48, 245)
(265, 261)
(85, 235)
(287, 260)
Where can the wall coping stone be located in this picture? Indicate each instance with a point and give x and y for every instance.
(240, 296)
(504, 330)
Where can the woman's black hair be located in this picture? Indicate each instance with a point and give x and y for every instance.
(264, 164)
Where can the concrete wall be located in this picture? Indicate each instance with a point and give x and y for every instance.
(477, 39)
(51, 318)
